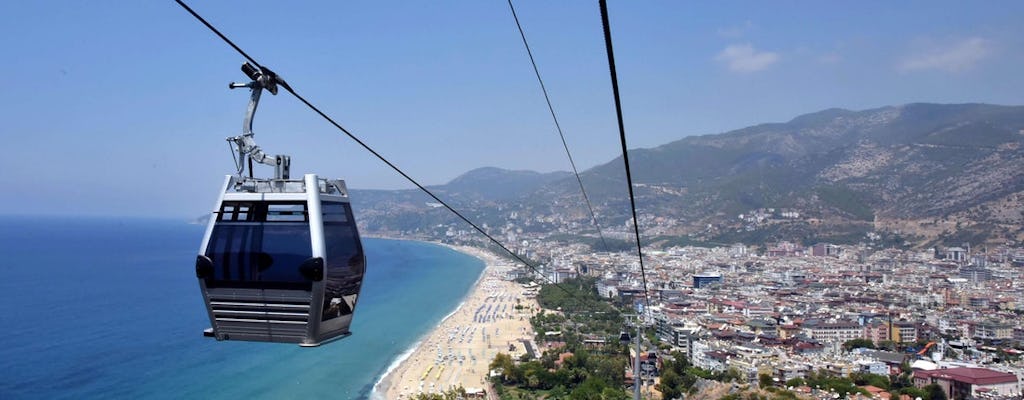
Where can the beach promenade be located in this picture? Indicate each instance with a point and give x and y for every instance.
(458, 351)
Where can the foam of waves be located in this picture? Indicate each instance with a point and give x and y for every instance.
(375, 394)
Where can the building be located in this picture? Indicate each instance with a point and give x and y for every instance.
(956, 254)
(834, 332)
(976, 274)
(872, 367)
(892, 360)
(561, 274)
(784, 249)
(993, 331)
(705, 280)
(630, 295)
(978, 302)
(904, 332)
(788, 331)
(966, 383)
(608, 289)
(787, 372)
(825, 250)
(682, 339)
(704, 357)
(876, 332)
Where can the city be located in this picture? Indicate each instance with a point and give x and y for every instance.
(952, 315)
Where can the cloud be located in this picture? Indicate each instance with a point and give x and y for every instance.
(952, 57)
(744, 58)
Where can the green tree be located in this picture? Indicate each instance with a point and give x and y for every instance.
(903, 380)
(862, 378)
(589, 389)
(796, 382)
(613, 394)
(886, 345)
(700, 373)
(451, 394)
(503, 363)
(764, 380)
(914, 392)
(669, 384)
(858, 343)
(840, 385)
(935, 392)
(729, 375)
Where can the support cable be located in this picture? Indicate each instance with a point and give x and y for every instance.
(368, 148)
(551, 108)
(622, 138)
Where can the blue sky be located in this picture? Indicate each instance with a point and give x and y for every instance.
(121, 108)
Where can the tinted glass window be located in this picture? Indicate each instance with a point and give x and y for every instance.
(286, 213)
(236, 211)
(251, 245)
(345, 262)
(336, 213)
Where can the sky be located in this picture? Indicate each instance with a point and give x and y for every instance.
(122, 108)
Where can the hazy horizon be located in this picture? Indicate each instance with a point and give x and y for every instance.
(125, 109)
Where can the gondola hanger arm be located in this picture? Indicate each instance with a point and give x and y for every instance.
(261, 78)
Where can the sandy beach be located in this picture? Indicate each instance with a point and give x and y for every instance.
(457, 352)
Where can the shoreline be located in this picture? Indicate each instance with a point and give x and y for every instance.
(471, 338)
(402, 357)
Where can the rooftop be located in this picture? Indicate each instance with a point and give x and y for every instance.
(974, 376)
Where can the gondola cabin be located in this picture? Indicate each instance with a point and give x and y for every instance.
(281, 261)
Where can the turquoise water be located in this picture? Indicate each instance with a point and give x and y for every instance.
(110, 308)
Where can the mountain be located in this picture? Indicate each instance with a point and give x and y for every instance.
(476, 194)
(496, 184)
(918, 173)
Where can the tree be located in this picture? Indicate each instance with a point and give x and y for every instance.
(608, 369)
(840, 385)
(935, 392)
(862, 378)
(669, 385)
(451, 394)
(796, 382)
(904, 379)
(914, 392)
(589, 389)
(613, 394)
(886, 345)
(729, 375)
(858, 343)
(503, 362)
(532, 380)
(764, 380)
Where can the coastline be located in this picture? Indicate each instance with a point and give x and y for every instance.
(458, 350)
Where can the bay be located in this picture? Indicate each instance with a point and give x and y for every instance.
(110, 308)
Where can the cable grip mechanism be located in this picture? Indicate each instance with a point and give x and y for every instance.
(260, 78)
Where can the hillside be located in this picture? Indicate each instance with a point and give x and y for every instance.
(921, 173)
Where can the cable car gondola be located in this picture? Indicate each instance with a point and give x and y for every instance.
(281, 260)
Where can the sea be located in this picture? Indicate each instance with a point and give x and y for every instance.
(110, 308)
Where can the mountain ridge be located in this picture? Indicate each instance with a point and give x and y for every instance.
(922, 173)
